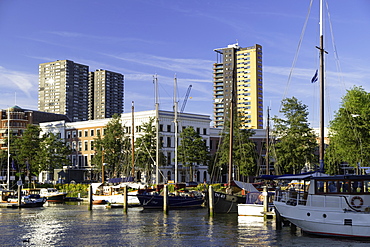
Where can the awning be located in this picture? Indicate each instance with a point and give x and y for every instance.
(302, 176)
(246, 186)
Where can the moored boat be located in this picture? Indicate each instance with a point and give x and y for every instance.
(113, 194)
(53, 195)
(182, 200)
(329, 205)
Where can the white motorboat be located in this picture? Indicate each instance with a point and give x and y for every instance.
(253, 205)
(329, 205)
(114, 193)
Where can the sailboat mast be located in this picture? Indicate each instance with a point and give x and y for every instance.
(267, 142)
(132, 142)
(231, 130)
(176, 125)
(156, 130)
(8, 171)
(322, 88)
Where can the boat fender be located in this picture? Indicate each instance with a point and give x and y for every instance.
(355, 198)
(261, 198)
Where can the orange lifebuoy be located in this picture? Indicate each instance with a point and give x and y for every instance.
(355, 198)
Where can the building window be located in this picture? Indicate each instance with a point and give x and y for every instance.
(198, 131)
(168, 158)
(80, 133)
(161, 127)
(91, 145)
(204, 131)
(86, 146)
(98, 132)
(74, 134)
(168, 141)
(79, 146)
(168, 128)
(86, 133)
(91, 132)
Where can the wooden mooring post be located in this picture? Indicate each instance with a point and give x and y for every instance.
(90, 200)
(210, 200)
(19, 195)
(165, 199)
(125, 204)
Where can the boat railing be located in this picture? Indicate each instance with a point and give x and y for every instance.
(291, 197)
(341, 202)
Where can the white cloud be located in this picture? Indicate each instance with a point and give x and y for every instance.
(16, 80)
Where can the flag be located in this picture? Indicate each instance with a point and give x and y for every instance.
(314, 78)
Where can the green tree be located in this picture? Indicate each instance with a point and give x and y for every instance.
(145, 148)
(244, 151)
(27, 149)
(113, 149)
(350, 132)
(192, 149)
(53, 153)
(296, 141)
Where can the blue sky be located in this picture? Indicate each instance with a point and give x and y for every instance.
(167, 37)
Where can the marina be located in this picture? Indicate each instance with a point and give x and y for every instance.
(73, 225)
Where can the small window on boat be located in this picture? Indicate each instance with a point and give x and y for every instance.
(332, 186)
(367, 186)
(320, 186)
(357, 186)
(344, 187)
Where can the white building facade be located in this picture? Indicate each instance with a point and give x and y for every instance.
(80, 137)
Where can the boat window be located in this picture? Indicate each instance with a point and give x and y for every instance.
(357, 186)
(332, 186)
(343, 187)
(320, 186)
(367, 186)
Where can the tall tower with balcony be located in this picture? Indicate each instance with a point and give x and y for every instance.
(238, 72)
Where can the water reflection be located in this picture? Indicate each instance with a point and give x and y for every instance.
(74, 225)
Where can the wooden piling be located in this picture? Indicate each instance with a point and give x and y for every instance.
(125, 204)
(278, 220)
(19, 196)
(210, 200)
(90, 200)
(165, 199)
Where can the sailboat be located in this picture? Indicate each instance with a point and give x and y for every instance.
(327, 205)
(227, 202)
(150, 199)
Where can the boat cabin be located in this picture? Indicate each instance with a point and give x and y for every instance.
(350, 191)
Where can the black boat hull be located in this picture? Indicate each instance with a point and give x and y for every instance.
(174, 202)
(225, 203)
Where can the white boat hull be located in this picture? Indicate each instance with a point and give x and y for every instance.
(251, 210)
(326, 221)
(118, 198)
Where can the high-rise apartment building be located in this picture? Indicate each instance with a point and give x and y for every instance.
(105, 94)
(238, 73)
(68, 88)
(63, 89)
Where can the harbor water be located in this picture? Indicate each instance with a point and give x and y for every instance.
(74, 225)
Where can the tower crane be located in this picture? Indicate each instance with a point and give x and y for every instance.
(185, 99)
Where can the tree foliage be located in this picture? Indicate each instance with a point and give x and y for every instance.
(296, 141)
(34, 154)
(145, 148)
(53, 153)
(244, 150)
(192, 149)
(113, 148)
(350, 132)
(27, 149)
